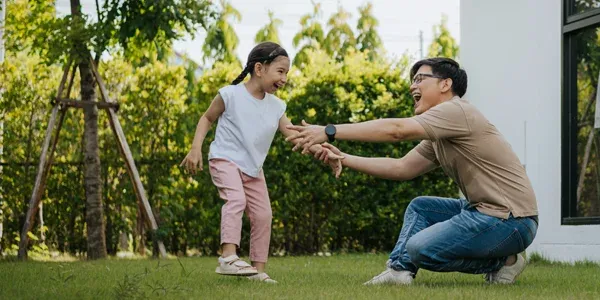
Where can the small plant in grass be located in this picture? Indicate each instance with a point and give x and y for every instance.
(133, 286)
(536, 258)
(62, 276)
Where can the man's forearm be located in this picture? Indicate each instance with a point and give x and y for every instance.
(382, 167)
(382, 130)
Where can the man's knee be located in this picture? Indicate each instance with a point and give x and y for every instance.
(416, 203)
(420, 253)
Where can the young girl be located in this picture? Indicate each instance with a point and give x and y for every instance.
(249, 116)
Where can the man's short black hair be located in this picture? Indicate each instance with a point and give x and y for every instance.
(445, 68)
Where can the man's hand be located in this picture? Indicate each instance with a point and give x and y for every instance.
(306, 136)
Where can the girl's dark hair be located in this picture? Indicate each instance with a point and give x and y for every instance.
(265, 53)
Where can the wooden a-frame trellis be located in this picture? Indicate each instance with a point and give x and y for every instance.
(60, 105)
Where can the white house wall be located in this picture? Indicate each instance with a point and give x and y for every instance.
(511, 51)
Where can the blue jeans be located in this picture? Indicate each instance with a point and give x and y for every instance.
(448, 235)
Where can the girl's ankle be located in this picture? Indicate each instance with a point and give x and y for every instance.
(225, 255)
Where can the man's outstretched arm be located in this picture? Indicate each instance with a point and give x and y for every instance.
(408, 167)
(382, 130)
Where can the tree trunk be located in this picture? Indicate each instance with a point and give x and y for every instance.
(41, 216)
(71, 244)
(311, 238)
(123, 242)
(111, 243)
(2, 17)
(94, 219)
(111, 247)
(595, 205)
(586, 156)
(140, 232)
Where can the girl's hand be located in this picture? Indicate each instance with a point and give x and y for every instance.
(329, 152)
(336, 165)
(332, 156)
(193, 161)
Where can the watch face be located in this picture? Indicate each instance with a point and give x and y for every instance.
(330, 130)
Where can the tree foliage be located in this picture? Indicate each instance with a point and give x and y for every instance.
(221, 40)
(269, 33)
(33, 24)
(310, 36)
(443, 44)
(368, 39)
(160, 107)
(340, 36)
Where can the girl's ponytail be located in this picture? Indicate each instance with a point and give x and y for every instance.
(241, 76)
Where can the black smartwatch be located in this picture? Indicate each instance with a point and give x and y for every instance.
(330, 132)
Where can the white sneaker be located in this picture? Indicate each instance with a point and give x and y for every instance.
(233, 265)
(263, 277)
(507, 274)
(391, 276)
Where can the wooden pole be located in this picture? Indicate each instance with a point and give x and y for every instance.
(43, 169)
(46, 157)
(81, 104)
(70, 82)
(131, 168)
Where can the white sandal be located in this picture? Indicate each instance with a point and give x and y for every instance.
(263, 277)
(233, 265)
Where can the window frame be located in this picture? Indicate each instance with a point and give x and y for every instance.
(571, 25)
(571, 16)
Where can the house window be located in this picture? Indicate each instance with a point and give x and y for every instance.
(581, 113)
(582, 6)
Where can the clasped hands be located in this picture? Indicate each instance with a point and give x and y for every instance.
(312, 138)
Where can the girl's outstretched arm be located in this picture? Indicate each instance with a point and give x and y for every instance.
(193, 160)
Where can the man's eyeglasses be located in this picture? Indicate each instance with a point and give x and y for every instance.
(419, 77)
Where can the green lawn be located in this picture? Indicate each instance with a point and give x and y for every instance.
(335, 277)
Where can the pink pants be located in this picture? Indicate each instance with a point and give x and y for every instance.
(243, 193)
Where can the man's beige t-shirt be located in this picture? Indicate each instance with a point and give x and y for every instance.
(476, 156)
